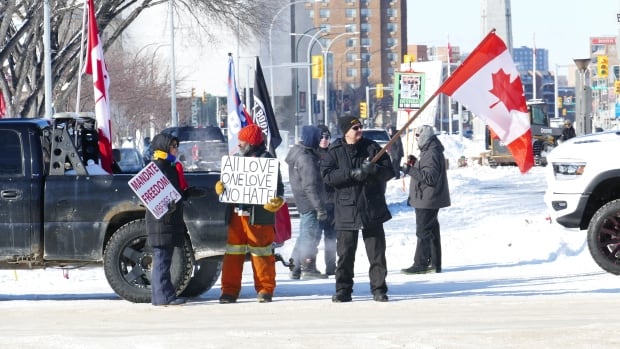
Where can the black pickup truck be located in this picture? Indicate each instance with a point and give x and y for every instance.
(56, 212)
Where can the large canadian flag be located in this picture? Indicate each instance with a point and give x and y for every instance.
(95, 66)
(489, 85)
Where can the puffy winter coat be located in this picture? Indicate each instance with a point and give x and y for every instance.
(169, 230)
(305, 179)
(258, 215)
(357, 204)
(429, 181)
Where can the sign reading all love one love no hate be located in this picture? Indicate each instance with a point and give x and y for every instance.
(249, 180)
(154, 189)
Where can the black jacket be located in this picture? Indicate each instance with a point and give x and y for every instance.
(329, 190)
(258, 215)
(169, 230)
(305, 179)
(357, 204)
(429, 181)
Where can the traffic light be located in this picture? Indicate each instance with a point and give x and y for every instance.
(617, 87)
(602, 66)
(204, 96)
(408, 58)
(317, 67)
(379, 90)
(193, 93)
(363, 110)
(559, 102)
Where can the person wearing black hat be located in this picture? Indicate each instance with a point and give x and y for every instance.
(329, 233)
(359, 204)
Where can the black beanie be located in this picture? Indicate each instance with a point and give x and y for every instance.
(346, 122)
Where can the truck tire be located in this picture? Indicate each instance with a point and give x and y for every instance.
(206, 273)
(127, 263)
(604, 237)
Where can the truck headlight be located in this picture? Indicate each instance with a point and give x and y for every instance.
(567, 171)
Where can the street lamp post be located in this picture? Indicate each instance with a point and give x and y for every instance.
(584, 126)
(173, 80)
(273, 20)
(325, 76)
(313, 40)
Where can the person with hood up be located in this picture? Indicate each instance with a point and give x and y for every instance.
(359, 202)
(308, 190)
(329, 233)
(168, 232)
(251, 228)
(428, 192)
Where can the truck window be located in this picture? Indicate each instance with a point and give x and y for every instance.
(10, 154)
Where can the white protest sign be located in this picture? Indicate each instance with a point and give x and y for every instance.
(249, 180)
(154, 189)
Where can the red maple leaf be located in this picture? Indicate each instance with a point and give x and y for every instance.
(509, 93)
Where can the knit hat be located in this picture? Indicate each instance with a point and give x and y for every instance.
(346, 122)
(310, 136)
(252, 134)
(324, 130)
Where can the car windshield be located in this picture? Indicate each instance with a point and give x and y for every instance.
(377, 135)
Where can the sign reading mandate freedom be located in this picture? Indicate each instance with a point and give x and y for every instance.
(154, 189)
(249, 180)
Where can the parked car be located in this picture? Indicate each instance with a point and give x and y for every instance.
(128, 159)
(200, 148)
(378, 135)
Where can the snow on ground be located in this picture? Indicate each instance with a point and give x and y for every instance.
(534, 281)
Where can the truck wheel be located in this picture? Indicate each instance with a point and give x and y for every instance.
(206, 273)
(127, 263)
(604, 237)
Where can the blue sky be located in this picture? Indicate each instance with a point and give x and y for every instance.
(561, 26)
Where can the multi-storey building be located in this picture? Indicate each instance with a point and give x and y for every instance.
(363, 42)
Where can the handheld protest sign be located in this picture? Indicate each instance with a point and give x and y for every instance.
(249, 180)
(154, 189)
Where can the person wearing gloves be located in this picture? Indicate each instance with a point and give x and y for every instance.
(168, 232)
(359, 204)
(250, 230)
(329, 233)
(428, 192)
(308, 190)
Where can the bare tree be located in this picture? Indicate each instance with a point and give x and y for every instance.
(21, 35)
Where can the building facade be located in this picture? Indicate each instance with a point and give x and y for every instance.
(362, 43)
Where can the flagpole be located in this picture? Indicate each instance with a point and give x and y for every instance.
(81, 66)
(47, 76)
(173, 82)
(534, 67)
(405, 126)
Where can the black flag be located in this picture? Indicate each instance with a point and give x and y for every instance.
(263, 112)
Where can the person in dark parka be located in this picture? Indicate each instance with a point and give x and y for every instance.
(359, 204)
(309, 192)
(428, 192)
(329, 233)
(168, 232)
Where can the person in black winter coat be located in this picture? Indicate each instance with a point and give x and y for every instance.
(359, 204)
(395, 150)
(308, 190)
(329, 233)
(568, 132)
(168, 232)
(428, 192)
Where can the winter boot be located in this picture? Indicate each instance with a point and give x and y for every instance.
(295, 273)
(309, 271)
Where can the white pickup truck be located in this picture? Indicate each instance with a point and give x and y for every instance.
(583, 191)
